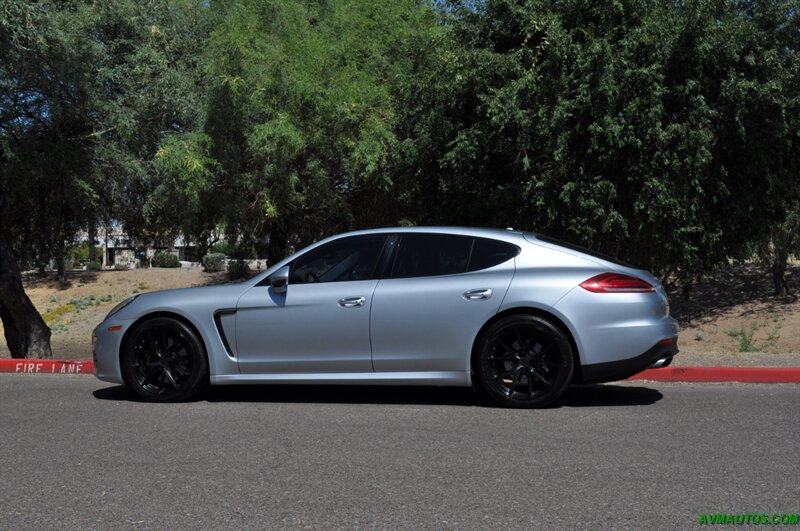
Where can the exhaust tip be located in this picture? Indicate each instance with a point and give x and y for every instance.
(661, 363)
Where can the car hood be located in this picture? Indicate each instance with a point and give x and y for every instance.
(185, 300)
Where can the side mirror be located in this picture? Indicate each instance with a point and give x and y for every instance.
(279, 280)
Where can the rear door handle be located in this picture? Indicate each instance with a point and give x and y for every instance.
(478, 294)
(352, 302)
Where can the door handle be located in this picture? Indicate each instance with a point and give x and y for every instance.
(352, 302)
(478, 294)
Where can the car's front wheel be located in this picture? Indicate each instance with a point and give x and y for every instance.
(164, 361)
(524, 361)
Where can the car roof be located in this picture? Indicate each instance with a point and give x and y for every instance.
(506, 234)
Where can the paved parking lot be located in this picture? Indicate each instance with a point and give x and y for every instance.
(78, 453)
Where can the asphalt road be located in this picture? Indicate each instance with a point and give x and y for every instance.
(78, 453)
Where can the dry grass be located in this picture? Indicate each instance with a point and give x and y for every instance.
(733, 311)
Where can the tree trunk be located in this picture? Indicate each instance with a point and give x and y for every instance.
(105, 249)
(277, 246)
(92, 233)
(26, 333)
(61, 267)
(778, 274)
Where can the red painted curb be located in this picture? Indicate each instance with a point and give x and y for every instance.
(667, 374)
(34, 366)
(721, 374)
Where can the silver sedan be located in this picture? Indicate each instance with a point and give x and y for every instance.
(517, 315)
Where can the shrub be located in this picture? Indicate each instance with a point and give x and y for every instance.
(223, 248)
(122, 267)
(238, 269)
(82, 303)
(94, 266)
(80, 253)
(166, 260)
(214, 262)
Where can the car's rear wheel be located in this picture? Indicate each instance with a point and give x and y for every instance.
(524, 361)
(164, 361)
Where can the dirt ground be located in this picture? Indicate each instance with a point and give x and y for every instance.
(731, 318)
(728, 319)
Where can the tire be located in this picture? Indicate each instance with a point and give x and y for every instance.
(524, 361)
(164, 361)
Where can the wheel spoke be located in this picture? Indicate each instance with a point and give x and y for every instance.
(150, 373)
(180, 370)
(174, 348)
(151, 343)
(530, 384)
(162, 381)
(168, 374)
(164, 337)
(524, 349)
(506, 374)
(515, 381)
(540, 377)
(509, 350)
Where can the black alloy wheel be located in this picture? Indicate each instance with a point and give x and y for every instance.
(164, 361)
(524, 361)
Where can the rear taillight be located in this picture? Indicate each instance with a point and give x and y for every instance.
(616, 283)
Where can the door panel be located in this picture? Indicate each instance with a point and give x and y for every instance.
(315, 327)
(429, 323)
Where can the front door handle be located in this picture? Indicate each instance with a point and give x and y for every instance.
(478, 294)
(352, 302)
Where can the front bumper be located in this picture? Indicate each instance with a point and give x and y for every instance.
(106, 345)
(619, 370)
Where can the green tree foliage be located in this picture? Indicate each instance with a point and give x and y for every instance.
(302, 113)
(46, 120)
(664, 133)
(90, 93)
(658, 132)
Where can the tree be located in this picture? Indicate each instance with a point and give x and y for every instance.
(88, 93)
(651, 131)
(26, 333)
(302, 115)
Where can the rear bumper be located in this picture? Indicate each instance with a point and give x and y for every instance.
(619, 370)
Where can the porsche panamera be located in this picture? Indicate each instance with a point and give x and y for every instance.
(515, 314)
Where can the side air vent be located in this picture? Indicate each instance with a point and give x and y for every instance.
(225, 320)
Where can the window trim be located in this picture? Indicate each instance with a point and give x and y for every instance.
(375, 275)
(388, 271)
(404, 235)
(391, 249)
(475, 240)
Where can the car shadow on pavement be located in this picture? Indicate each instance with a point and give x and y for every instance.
(576, 396)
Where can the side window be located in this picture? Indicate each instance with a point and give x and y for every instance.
(341, 260)
(424, 255)
(488, 253)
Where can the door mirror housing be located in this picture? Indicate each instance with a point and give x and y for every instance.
(279, 280)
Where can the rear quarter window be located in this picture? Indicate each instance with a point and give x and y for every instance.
(488, 253)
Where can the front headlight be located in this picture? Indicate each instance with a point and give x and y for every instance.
(120, 306)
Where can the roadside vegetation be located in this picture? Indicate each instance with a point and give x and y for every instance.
(662, 133)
